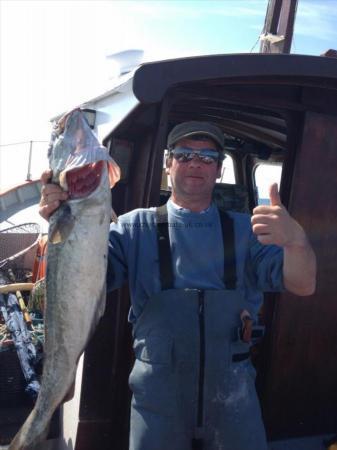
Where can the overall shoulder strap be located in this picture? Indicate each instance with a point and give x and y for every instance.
(164, 250)
(227, 226)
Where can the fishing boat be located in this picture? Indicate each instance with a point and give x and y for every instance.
(274, 109)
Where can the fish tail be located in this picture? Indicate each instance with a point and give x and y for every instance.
(32, 432)
(36, 427)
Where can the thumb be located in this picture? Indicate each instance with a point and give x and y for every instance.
(274, 195)
(46, 176)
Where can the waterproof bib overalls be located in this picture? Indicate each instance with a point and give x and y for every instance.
(193, 383)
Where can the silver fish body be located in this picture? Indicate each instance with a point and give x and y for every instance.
(75, 300)
(76, 264)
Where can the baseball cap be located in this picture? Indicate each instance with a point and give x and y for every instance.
(187, 129)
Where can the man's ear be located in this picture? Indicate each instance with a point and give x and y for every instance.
(219, 171)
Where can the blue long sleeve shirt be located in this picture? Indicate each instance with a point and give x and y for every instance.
(197, 255)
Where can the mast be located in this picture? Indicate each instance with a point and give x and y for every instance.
(278, 26)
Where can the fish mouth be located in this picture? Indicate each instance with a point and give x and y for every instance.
(83, 181)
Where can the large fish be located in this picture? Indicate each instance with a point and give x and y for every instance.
(76, 264)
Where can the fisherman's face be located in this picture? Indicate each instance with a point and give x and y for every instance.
(194, 177)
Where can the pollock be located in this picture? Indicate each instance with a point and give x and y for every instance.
(76, 264)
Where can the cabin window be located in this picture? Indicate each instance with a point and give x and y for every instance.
(266, 174)
(121, 151)
(227, 171)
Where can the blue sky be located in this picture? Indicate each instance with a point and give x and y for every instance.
(52, 53)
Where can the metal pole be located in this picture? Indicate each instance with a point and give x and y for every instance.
(29, 175)
(278, 26)
(286, 24)
(270, 23)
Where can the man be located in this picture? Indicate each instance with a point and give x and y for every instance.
(196, 279)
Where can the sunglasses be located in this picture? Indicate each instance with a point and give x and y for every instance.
(205, 155)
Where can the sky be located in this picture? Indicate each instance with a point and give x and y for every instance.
(53, 53)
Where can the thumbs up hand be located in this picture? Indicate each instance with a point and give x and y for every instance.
(272, 223)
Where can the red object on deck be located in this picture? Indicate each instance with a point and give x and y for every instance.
(39, 268)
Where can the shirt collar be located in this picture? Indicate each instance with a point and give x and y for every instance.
(180, 208)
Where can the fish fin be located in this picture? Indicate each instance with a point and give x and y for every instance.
(114, 172)
(71, 392)
(100, 309)
(114, 216)
(60, 229)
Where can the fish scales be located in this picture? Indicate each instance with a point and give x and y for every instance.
(75, 295)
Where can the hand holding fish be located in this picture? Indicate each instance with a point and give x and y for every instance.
(52, 195)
